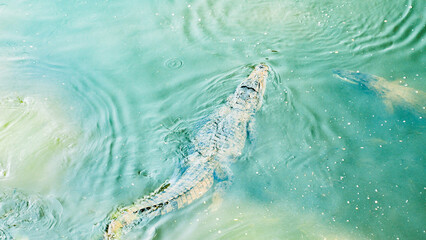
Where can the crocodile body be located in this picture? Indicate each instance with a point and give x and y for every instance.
(219, 142)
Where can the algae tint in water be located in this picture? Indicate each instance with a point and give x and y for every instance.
(99, 102)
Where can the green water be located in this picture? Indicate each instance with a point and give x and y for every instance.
(98, 102)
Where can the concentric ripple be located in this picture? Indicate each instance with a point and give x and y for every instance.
(254, 30)
(398, 28)
(246, 24)
(103, 131)
(308, 31)
(173, 63)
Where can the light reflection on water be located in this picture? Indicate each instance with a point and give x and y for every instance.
(127, 83)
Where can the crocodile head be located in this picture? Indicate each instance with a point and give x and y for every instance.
(249, 93)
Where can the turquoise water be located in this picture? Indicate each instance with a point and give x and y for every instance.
(98, 102)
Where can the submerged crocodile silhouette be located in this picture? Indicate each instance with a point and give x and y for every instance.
(394, 94)
(217, 144)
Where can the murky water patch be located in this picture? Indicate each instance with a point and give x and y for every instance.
(243, 19)
(36, 141)
(243, 219)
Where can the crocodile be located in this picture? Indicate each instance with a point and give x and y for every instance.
(217, 144)
(393, 93)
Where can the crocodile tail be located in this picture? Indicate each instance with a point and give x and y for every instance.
(165, 199)
(125, 216)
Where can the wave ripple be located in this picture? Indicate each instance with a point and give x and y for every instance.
(27, 214)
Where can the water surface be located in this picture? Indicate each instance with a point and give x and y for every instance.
(99, 100)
